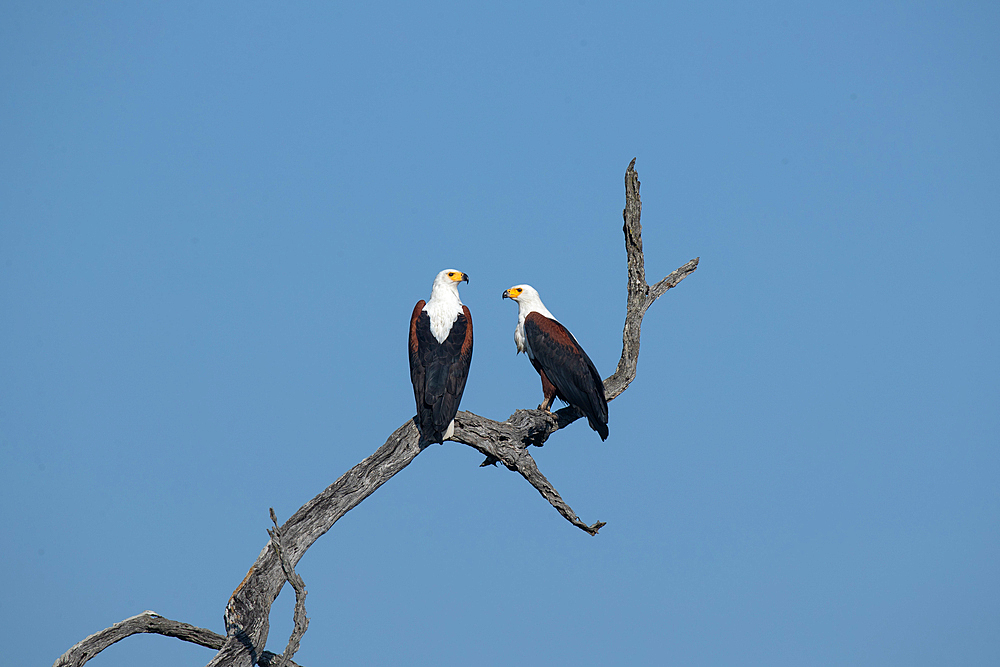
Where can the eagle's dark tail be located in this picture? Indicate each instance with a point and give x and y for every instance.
(600, 427)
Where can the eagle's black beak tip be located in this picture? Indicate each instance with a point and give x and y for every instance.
(465, 277)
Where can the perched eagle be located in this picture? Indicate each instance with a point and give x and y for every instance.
(440, 354)
(567, 372)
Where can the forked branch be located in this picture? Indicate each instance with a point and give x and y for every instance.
(152, 623)
(300, 620)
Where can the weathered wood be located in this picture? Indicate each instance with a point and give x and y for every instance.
(640, 296)
(301, 623)
(152, 623)
(246, 615)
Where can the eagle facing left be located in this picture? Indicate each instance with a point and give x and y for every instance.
(440, 354)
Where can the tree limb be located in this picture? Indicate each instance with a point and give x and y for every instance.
(149, 622)
(301, 622)
(507, 442)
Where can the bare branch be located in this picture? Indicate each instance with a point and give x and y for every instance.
(640, 297)
(301, 622)
(147, 622)
(507, 443)
(660, 288)
(246, 614)
(529, 470)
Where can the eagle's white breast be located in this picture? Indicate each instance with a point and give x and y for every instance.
(528, 303)
(443, 307)
(520, 340)
(443, 315)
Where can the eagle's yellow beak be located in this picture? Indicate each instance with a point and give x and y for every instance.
(458, 276)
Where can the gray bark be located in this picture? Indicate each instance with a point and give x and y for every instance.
(506, 442)
(301, 623)
(152, 623)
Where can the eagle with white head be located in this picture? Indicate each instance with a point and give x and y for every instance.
(567, 372)
(440, 354)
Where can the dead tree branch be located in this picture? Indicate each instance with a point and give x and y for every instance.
(153, 623)
(299, 617)
(507, 442)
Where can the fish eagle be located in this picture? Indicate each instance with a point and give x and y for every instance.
(440, 354)
(567, 372)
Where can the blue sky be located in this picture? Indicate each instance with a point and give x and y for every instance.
(215, 221)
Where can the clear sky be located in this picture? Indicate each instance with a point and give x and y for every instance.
(215, 219)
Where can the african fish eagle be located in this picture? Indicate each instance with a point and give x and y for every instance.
(566, 370)
(440, 354)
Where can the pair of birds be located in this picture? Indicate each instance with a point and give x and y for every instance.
(441, 352)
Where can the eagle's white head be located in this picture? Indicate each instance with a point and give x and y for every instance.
(528, 302)
(445, 287)
(446, 282)
(444, 305)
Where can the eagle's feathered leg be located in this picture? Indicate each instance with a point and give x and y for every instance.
(548, 390)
